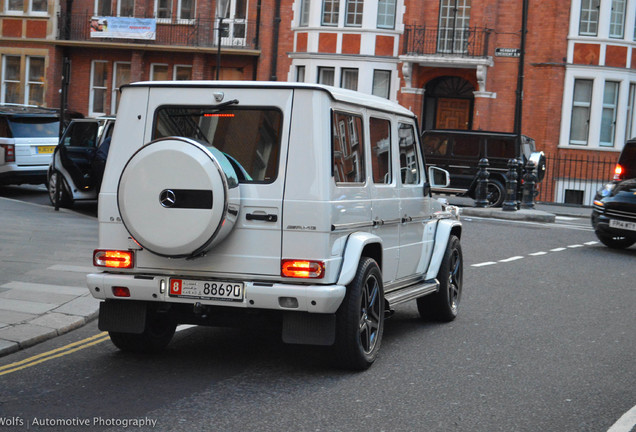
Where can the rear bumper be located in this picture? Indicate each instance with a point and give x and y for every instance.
(258, 295)
(13, 174)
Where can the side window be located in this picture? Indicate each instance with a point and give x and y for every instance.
(409, 165)
(380, 137)
(81, 135)
(436, 145)
(5, 132)
(466, 146)
(500, 148)
(347, 149)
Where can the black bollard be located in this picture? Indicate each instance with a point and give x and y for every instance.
(481, 192)
(529, 184)
(511, 187)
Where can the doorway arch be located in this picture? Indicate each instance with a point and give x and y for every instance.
(448, 103)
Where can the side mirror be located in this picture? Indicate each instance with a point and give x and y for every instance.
(438, 178)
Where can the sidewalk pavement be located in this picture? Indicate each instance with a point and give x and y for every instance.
(47, 254)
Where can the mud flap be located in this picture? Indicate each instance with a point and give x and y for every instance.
(309, 328)
(122, 316)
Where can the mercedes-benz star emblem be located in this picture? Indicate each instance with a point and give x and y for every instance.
(167, 198)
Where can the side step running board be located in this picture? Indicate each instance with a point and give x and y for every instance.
(411, 292)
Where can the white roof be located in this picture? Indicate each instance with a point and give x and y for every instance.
(339, 94)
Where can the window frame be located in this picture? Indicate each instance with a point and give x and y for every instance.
(153, 68)
(587, 104)
(385, 6)
(355, 152)
(334, 14)
(303, 15)
(114, 100)
(357, 14)
(3, 91)
(420, 174)
(374, 151)
(29, 83)
(94, 88)
(388, 81)
(322, 69)
(617, 19)
(119, 8)
(592, 8)
(177, 67)
(612, 107)
(348, 71)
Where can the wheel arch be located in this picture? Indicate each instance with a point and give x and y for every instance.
(445, 228)
(359, 244)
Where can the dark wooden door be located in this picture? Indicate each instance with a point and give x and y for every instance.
(452, 113)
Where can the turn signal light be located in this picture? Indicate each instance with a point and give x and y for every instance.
(618, 172)
(302, 269)
(113, 258)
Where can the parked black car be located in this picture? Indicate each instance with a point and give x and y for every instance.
(459, 152)
(614, 211)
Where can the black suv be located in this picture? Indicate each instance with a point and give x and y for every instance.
(459, 152)
(614, 211)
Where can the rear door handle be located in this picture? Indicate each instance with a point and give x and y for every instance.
(262, 217)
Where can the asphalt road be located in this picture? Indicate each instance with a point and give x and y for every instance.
(544, 341)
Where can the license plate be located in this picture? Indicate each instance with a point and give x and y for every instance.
(207, 290)
(631, 226)
(46, 149)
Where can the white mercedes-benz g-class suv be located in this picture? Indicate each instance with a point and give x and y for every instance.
(305, 204)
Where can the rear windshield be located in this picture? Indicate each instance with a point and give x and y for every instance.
(34, 127)
(627, 160)
(250, 137)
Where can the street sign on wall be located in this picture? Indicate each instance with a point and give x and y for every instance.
(507, 52)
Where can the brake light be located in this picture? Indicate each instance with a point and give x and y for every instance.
(302, 269)
(113, 258)
(9, 152)
(618, 172)
(121, 291)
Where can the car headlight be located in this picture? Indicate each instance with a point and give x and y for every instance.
(607, 189)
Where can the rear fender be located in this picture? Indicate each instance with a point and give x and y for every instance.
(445, 228)
(356, 243)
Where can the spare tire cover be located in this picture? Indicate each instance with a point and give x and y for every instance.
(178, 198)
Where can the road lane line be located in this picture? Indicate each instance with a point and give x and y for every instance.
(514, 258)
(56, 353)
(575, 246)
(559, 249)
(626, 423)
(538, 253)
(483, 264)
(590, 243)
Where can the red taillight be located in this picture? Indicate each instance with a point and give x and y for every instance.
(9, 152)
(302, 269)
(618, 172)
(120, 291)
(113, 258)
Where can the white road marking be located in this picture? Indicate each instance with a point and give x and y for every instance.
(575, 246)
(538, 253)
(626, 423)
(590, 243)
(557, 249)
(514, 258)
(566, 218)
(483, 264)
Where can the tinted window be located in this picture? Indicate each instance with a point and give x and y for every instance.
(466, 146)
(347, 148)
(628, 160)
(409, 165)
(249, 137)
(34, 127)
(500, 148)
(81, 135)
(436, 145)
(380, 136)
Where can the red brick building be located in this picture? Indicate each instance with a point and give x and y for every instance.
(455, 63)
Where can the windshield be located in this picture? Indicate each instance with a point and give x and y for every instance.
(34, 127)
(250, 137)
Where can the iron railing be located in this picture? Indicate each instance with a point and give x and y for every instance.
(196, 32)
(575, 179)
(456, 42)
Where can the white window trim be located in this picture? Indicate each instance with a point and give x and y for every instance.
(92, 88)
(614, 107)
(175, 67)
(599, 77)
(3, 93)
(163, 20)
(29, 84)
(113, 97)
(604, 19)
(152, 70)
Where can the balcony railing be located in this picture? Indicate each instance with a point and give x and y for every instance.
(197, 32)
(454, 42)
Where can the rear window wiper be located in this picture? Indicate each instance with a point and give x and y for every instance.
(220, 106)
